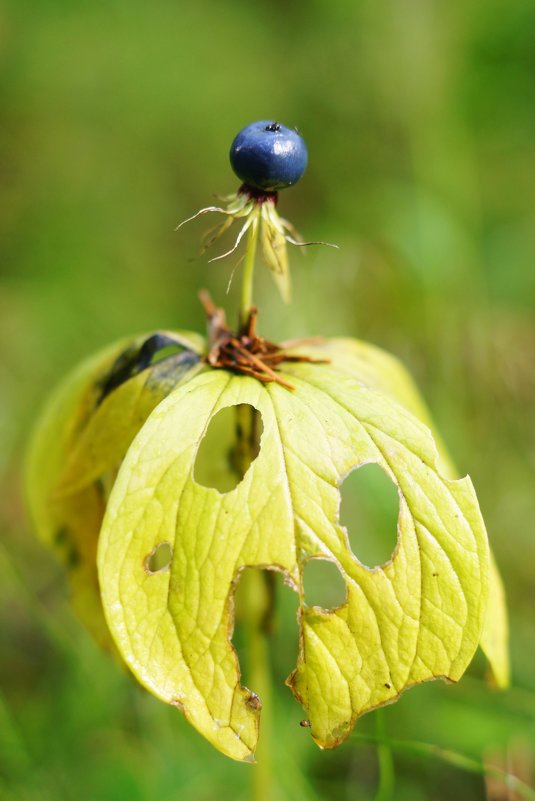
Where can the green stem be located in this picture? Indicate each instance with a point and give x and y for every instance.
(248, 269)
(257, 598)
(419, 749)
(385, 788)
(256, 587)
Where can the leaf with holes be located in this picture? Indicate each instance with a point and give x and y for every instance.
(417, 617)
(80, 441)
(381, 370)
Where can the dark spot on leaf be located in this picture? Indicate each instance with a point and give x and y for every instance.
(253, 701)
(387, 685)
(339, 732)
(323, 584)
(166, 373)
(159, 559)
(220, 463)
(153, 351)
(369, 511)
(305, 724)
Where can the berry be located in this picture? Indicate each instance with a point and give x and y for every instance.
(268, 156)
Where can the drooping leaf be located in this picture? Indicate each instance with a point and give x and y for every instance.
(380, 370)
(418, 617)
(79, 443)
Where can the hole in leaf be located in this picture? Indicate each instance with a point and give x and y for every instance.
(159, 559)
(220, 463)
(323, 584)
(369, 511)
(265, 593)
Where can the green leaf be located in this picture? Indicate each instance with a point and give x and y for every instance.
(418, 617)
(380, 370)
(78, 445)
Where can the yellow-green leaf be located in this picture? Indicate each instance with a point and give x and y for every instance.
(380, 370)
(418, 617)
(495, 636)
(78, 445)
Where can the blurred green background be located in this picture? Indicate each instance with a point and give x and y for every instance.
(115, 121)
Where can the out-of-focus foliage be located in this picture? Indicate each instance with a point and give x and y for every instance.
(115, 122)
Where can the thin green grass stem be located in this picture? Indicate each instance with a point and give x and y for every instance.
(385, 787)
(457, 760)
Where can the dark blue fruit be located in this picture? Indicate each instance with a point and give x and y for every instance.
(268, 156)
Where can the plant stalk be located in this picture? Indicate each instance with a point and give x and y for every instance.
(385, 787)
(248, 269)
(257, 594)
(257, 599)
(256, 586)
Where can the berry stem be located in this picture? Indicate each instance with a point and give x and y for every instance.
(248, 269)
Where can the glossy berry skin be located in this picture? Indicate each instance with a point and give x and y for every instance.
(268, 156)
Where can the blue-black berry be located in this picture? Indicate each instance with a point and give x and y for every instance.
(268, 156)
